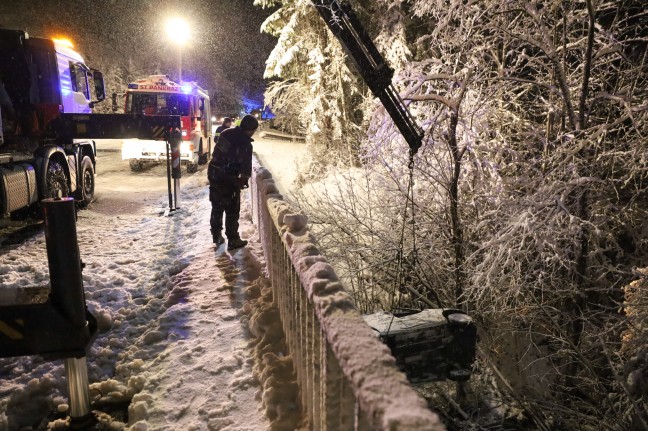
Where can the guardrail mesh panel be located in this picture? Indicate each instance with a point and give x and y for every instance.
(348, 380)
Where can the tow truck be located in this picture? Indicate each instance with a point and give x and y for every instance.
(47, 156)
(157, 95)
(40, 79)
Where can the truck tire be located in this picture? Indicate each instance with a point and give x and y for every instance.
(56, 183)
(204, 156)
(135, 165)
(87, 186)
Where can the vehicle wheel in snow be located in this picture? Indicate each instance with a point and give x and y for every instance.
(202, 159)
(87, 186)
(56, 184)
(135, 165)
(191, 168)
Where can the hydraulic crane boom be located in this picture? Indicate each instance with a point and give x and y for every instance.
(341, 20)
(445, 350)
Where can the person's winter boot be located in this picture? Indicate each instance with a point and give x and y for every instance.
(236, 243)
(218, 239)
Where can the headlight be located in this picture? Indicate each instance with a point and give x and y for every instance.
(130, 149)
(186, 147)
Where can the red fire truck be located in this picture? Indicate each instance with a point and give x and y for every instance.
(158, 95)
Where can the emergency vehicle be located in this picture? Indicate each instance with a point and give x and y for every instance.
(40, 81)
(158, 95)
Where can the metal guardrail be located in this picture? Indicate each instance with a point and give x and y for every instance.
(348, 379)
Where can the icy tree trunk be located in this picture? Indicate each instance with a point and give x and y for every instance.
(455, 219)
(579, 303)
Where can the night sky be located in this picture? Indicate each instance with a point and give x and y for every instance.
(226, 55)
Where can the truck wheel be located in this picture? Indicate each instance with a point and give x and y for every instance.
(135, 165)
(202, 159)
(191, 168)
(56, 181)
(86, 191)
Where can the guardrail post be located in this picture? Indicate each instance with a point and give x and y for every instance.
(168, 166)
(67, 295)
(176, 168)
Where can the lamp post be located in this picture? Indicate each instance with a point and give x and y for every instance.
(178, 32)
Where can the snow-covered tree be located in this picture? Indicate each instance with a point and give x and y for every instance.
(313, 86)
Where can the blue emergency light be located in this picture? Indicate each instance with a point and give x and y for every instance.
(132, 86)
(66, 85)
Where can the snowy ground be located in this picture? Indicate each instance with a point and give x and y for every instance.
(281, 157)
(174, 344)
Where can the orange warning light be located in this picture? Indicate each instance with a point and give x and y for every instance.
(63, 41)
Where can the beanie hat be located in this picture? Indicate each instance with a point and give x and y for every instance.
(249, 122)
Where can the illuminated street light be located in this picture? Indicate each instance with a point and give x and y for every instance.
(179, 33)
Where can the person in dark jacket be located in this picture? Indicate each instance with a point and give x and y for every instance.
(229, 171)
(227, 123)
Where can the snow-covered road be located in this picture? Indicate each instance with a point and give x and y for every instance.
(173, 312)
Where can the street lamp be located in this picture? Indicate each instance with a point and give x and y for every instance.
(178, 31)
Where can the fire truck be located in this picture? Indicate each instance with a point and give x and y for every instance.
(40, 80)
(157, 95)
